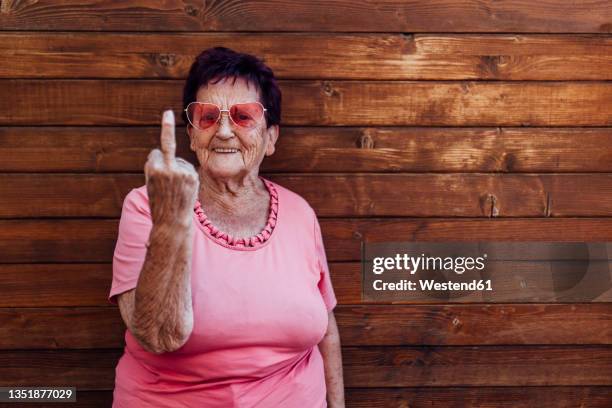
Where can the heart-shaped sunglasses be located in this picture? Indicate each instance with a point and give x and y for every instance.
(204, 115)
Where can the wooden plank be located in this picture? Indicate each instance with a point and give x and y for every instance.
(345, 56)
(363, 367)
(89, 369)
(422, 397)
(441, 150)
(324, 149)
(516, 282)
(43, 285)
(87, 240)
(343, 237)
(337, 103)
(426, 195)
(449, 104)
(31, 241)
(489, 324)
(47, 285)
(555, 16)
(500, 282)
(342, 195)
(83, 149)
(482, 397)
(68, 195)
(61, 328)
(477, 366)
(374, 325)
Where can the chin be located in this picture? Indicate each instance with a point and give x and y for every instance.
(226, 172)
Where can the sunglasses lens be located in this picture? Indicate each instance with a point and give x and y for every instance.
(203, 115)
(247, 115)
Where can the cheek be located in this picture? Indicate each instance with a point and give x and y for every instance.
(249, 142)
(200, 142)
(253, 141)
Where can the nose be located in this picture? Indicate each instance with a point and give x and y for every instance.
(224, 130)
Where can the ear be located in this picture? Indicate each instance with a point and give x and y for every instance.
(191, 138)
(272, 132)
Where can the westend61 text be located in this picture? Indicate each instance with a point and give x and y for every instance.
(433, 285)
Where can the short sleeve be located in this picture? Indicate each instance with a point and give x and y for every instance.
(325, 283)
(130, 251)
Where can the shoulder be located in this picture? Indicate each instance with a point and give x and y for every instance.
(137, 200)
(293, 204)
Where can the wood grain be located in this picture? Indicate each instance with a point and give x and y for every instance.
(88, 369)
(426, 195)
(339, 195)
(90, 240)
(511, 282)
(324, 149)
(373, 325)
(79, 240)
(483, 397)
(553, 16)
(479, 120)
(363, 366)
(481, 366)
(55, 285)
(319, 56)
(424, 397)
(474, 324)
(44, 285)
(333, 103)
(61, 328)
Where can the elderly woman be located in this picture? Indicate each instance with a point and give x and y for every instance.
(220, 275)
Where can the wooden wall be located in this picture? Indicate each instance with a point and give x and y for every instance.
(405, 120)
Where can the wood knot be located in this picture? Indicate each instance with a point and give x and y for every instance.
(166, 60)
(418, 362)
(466, 87)
(9, 6)
(328, 89)
(366, 141)
(488, 205)
(508, 162)
(457, 324)
(494, 209)
(408, 45)
(489, 65)
(191, 10)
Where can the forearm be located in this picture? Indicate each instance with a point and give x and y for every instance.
(332, 359)
(163, 315)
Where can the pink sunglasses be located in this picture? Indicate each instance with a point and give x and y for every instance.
(203, 115)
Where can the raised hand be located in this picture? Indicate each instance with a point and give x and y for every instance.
(172, 183)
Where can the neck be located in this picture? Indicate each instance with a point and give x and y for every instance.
(230, 196)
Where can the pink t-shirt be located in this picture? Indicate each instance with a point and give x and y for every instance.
(260, 309)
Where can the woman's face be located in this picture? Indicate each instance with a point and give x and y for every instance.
(251, 145)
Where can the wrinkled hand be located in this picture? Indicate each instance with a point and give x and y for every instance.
(172, 183)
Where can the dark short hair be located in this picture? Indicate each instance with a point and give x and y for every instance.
(218, 63)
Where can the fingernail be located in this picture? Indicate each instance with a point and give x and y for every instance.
(168, 116)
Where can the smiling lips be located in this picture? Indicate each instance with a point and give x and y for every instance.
(225, 150)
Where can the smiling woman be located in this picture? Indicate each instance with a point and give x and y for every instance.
(221, 275)
(230, 150)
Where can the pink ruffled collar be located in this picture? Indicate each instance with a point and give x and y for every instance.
(250, 242)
